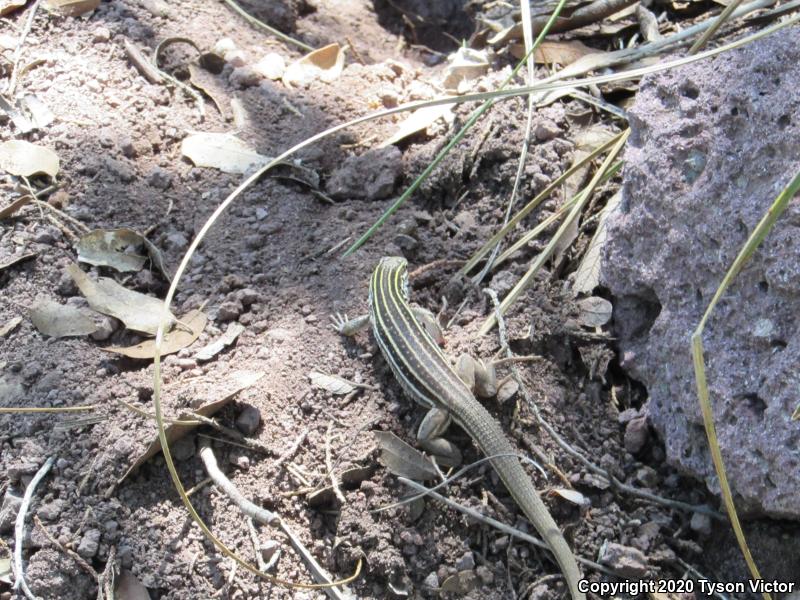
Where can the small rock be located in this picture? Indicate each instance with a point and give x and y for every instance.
(100, 35)
(431, 581)
(176, 240)
(89, 544)
(244, 77)
(240, 460)
(51, 510)
(47, 235)
(248, 420)
(183, 449)
(271, 66)
(636, 435)
(647, 476)
(159, 178)
(628, 562)
(236, 58)
(466, 562)
(485, 575)
(701, 523)
(229, 310)
(247, 296)
(9, 510)
(106, 326)
(546, 130)
(224, 45)
(371, 176)
(66, 285)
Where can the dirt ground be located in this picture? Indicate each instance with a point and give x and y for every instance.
(268, 265)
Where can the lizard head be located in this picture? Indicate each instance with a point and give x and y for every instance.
(396, 268)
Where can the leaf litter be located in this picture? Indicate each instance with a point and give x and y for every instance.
(194, 322)
(21, 158)
(325, 64)
(61, 320)
(119, 249)
(137, 311)
(223, 151)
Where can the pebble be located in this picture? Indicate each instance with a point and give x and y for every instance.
(466, 562)
(229, 310)
(100, 35)
(236, 58)
(701, 523)
(106, 326)
(271, 66)
(248, 420)
(51, 510)
(244, 76)
(546, 130)
(159, 178)
(224, 45)
(8, 511)
(636, 435)
(628, 562)
(431, 581)
(183, 449)
(89, 544)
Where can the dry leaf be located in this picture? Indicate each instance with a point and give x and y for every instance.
(587, 276)
(127, 587)
(563, 53)
(70, 8)
(507, 391)
(175, 431)
(138, 311)
(61, 320)
(323, 63)
(462, 582)
(418, 121)
(226, 339)
(595, 311)
(14, 207)
(222, 151)
(15, 260)
(333, 384)
(118, 249)
(465, 64)
(175, 340)
(19, 157)
(9, 6)
(9, 326)
(403, 460)
(573, 496)
(207, 84)
(6, 576)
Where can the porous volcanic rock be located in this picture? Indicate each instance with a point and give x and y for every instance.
(712, 145)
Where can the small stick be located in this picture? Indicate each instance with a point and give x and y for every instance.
(106, 580)
(12, 83)
(256, 544)
(329, 466)
(262, 515)
(142, 64)
(499, 525)
(71, 553)
(292, 450)
(19, 527)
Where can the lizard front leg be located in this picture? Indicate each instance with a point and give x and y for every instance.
(478, 376)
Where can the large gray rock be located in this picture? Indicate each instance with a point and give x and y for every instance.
(712, 145)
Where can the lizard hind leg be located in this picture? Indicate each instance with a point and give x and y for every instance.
(429, 435)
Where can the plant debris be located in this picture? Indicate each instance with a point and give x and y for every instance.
(223, 151)
(324, 63)
(61, 320)
(209, 351)
(9, 326)
(331, 383)
(118, 249)
(403, 460)
(175, 340)
(418, 121)
(70, 8)
(22, 158)
(17, 259)
(138, 312)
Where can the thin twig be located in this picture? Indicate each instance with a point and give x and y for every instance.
(499, 525)
(253, 21)
(19, 528)
(71, 553)
(292, 450)
(12, 83)
(256, 544)
(329, 466)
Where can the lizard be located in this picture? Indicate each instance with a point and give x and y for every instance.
(426, 375)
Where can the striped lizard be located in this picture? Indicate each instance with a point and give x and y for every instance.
(426, 375)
